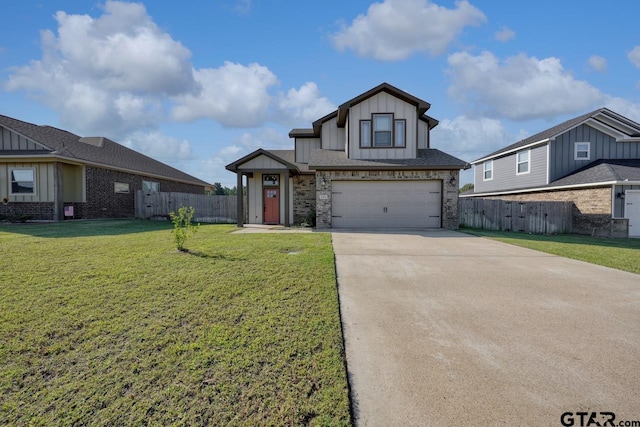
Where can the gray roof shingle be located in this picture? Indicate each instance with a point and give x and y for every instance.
(603, 170)
(97, 150)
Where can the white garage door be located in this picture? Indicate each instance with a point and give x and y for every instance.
(632, 211)
(386, 204)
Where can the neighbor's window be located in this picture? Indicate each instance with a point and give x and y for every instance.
(151, 186)
(120, 187)
(23, 181)
(522, 162)
(488, 170)
(382, 131)
(582, 151)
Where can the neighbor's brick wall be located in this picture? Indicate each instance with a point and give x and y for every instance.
(103, 202)
(38, 211)
(304, 196)
(591, 210)
(449, 191)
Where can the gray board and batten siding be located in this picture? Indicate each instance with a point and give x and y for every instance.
(303, 148)
(505, 176)
(602, 146)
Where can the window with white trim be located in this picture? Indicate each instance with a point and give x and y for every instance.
(121, 187)
(383, 131)
(488, 170)
(151, 186)
(522, 162)
(582, 151)
(23, 181)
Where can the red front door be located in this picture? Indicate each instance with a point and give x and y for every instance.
(271, 202)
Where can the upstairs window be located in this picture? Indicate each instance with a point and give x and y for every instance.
(488, 170)
(522, 162)
(582, 151)
(23, 181)
(151, 186)
(382, 131)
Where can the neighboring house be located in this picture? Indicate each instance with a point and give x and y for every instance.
(592, 160)
(48, 173)
(367, 164)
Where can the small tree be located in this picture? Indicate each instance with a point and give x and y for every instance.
(182, 226)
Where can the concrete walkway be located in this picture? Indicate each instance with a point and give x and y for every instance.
(442, 328)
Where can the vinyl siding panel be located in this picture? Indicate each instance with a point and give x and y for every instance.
(383, 103)
(304, 146)
(11, 141)
(602, 146)
(262, 162)
(333, 138)
(44, 182)
(254, 199)
(504, 172)
(423, 135)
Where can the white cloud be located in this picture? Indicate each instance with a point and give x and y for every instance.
(624, 107)
(301, 107)
(634, 56)
(519, 87)
(598, 63)
(234, 95)
(264, 138)
(160, 146)
(505, 34)
(396, 29)
(470, 137)
(106, 74)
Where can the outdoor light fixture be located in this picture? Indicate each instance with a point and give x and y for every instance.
(620, 195)
(323, 181)
(452, 181)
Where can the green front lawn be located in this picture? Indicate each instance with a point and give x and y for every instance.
(622, 254)
(105, 323)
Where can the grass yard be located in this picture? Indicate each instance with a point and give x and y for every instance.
(622, 254)
(105, 323)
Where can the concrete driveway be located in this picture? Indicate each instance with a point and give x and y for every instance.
(442, 328)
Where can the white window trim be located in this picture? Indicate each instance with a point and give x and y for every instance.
(518, 163)
(118, 188)
(35, 180)
(485, 170)
(575, 150)
(151, 184)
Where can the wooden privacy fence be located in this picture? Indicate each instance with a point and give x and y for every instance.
(507, 215)
(153, 205)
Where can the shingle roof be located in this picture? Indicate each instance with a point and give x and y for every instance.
(430, 158)
(97, 150)
(603, 170)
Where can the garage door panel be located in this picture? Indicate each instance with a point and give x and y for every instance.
(386, 204)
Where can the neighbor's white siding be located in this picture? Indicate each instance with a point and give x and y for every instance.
(382, 103)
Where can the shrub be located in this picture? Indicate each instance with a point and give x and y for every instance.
(310, 219)
(182, 226)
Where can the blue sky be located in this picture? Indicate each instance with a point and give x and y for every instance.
(198, 84)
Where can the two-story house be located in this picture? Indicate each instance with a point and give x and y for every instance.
(592, 160)
(367, 164)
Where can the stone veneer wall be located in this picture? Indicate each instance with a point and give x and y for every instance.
(103, 202)
(591, 207)
(37, 211)
(449, 191)
(304, 197)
